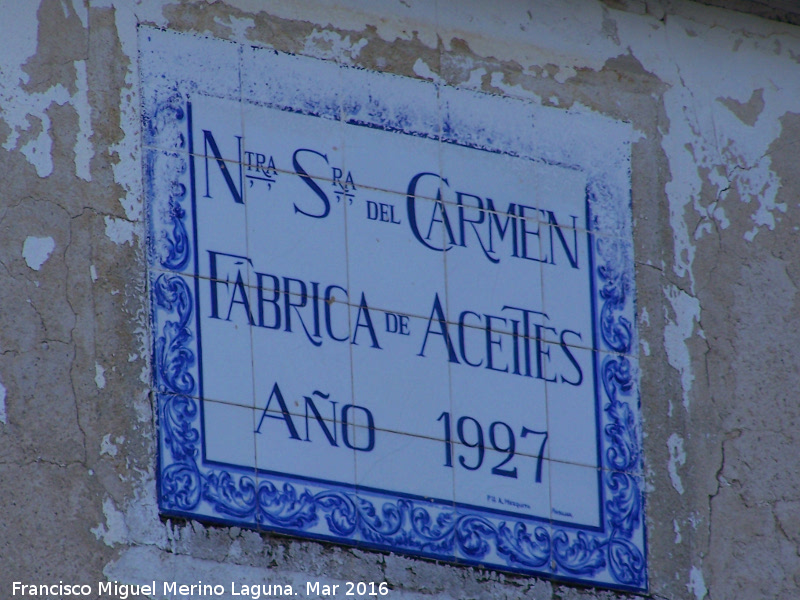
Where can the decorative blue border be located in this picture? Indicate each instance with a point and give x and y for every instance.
(575, 552)
(613, 557)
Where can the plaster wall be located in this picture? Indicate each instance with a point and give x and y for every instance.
(714, 101)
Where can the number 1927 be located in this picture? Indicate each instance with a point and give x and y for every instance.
(470, 434)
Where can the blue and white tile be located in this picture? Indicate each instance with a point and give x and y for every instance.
(490, 480)
(229, 434)
(212, 65)
(183, 478)
(175, 67)
(524, 542)
(392, 161)
(226, 353)
(206, 223)
(285, 450)
(391, 132)
(298, 144)
(615, 287)
(289, 81)
(608, 193)
(541, 133)
(221, 490)
(503, 403)
(165, 121)
(219, 200)
(568, 292)
(621, 536)
(404, 383)
(296, 229)
(546, 175)
(493, 253)
(406, 464)
(499, 182)
(175, 346)
(504, 296)
(574, 425)
(221, 240)
(316, 509)
(620, 417)
(216, 122)
(390, 102)
(561, 193)
(293, 362)
(396, 271)
(575, 494)
(228, 497)
(565, 364)
(485, 121)
(402, 524)
(624, 508)
(169, 204)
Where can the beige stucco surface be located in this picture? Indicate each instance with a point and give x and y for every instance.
(714, 100)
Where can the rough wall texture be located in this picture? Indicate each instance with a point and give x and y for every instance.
(713, 96)
(786, 11)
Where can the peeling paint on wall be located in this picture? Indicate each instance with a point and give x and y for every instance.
(119, 231)
(99, 377)
(677, 458)
(36, 251)
(28, 101)
(696, 584)
(3, 415)
(114, 531)
(677, 331)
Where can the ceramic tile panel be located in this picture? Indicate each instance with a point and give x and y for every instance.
(218, 218)
(217, 134)
(574, 549)
(292, 82)
(615, 295)
(203, 66)
(391, 103)
(620, 417)
(168, 192)
(432, 529)
(286, 504)
(570, 315)
(575, 495)
(173, 316)
(373, 120)
(504, 278)
(496, 124)
(527, 543)
(308, 146)
(574, 403)
(296, 209)
(216, 495)
(229, 432)
(402, 463)
(502, 403)
(305, 447)
(500, 482)
(224, 347)
(401, 380)
(486, 179)
(312, 374)
(392, 314)
(380, 250)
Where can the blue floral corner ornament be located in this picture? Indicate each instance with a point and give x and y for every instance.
(194, 482)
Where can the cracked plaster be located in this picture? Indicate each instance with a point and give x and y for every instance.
(715, 193)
